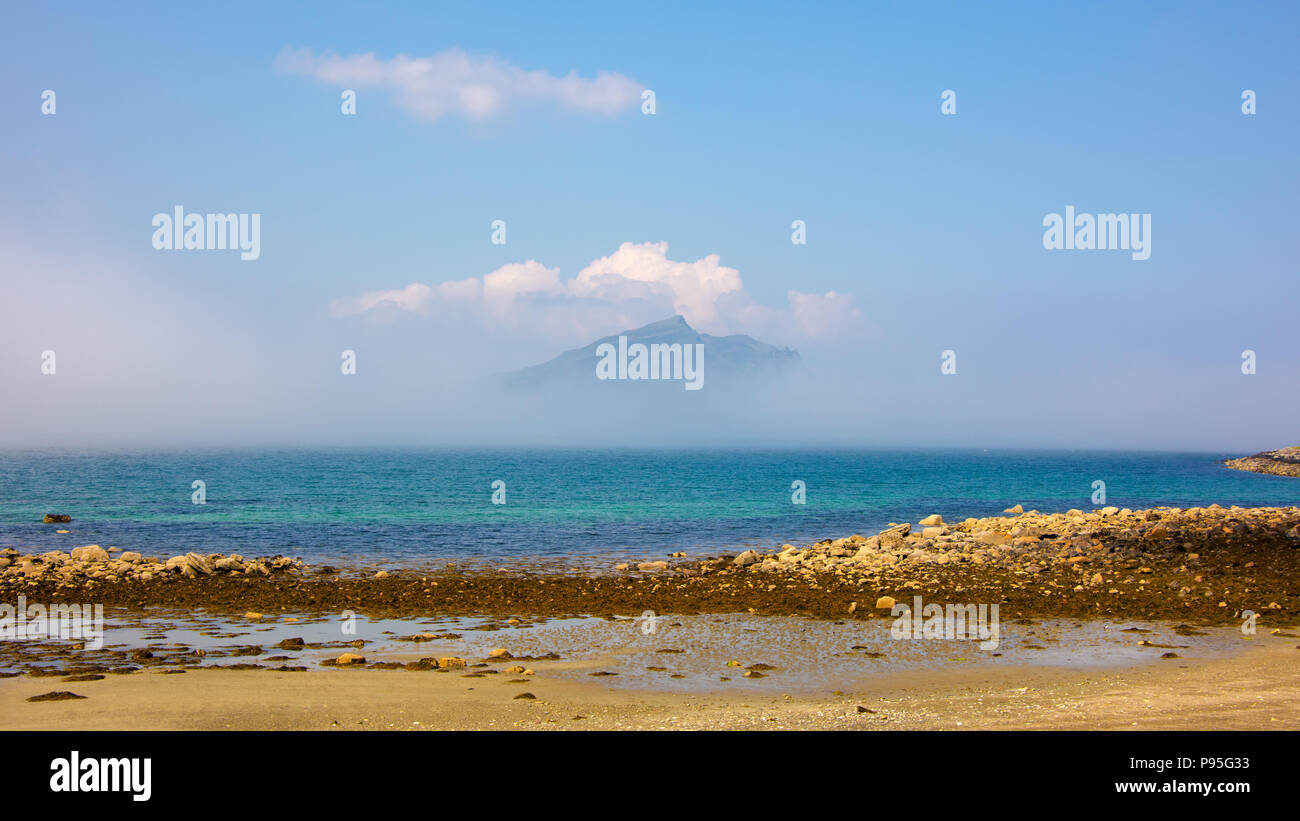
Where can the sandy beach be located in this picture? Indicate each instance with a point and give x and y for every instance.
(1252, 687)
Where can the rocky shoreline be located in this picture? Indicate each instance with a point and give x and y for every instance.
(1197, 564)
(1281, 462)
(90, 565)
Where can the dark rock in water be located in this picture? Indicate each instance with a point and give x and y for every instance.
(58, 695)
(55, 518)
(295, 643)
(84, 677)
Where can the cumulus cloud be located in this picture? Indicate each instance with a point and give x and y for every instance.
(636, 284)
(645, 271)
(453, 82)
(416, 298)
(823, 316)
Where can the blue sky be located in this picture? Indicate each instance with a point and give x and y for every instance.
(928, 225)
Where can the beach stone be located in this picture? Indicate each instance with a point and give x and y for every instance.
(647, 566)
(934, 532)
(499, 653)
(58, 695)
(895, 537)
(869, 549)
(131, 557)
(230, 564)
(745, 559)
(198, 563)
(932, 520)
(451, 662)
(350, 658)
(1016, 509)
(252, 616)
(90, 553)
(885, 603)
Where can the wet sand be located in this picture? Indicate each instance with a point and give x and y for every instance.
(691, 674)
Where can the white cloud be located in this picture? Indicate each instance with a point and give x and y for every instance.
(518, 279)
(636, 284)
(453, 82)
(415, 297)
(823, 316)
(642, 271)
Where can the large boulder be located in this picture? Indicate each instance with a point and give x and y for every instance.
(870, 547)
(90, 553)
(229, 564)
(895, 537)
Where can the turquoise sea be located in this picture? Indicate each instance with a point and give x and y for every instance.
(400, 507)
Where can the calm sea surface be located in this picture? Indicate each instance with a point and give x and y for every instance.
(419, 506)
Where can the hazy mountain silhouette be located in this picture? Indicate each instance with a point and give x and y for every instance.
(727, 359)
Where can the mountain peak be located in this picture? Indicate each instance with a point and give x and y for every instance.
(734, 356)
(676, 322)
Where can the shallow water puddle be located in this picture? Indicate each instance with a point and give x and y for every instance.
(671, 653)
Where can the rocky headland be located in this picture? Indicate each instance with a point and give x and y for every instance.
(1281, 462)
